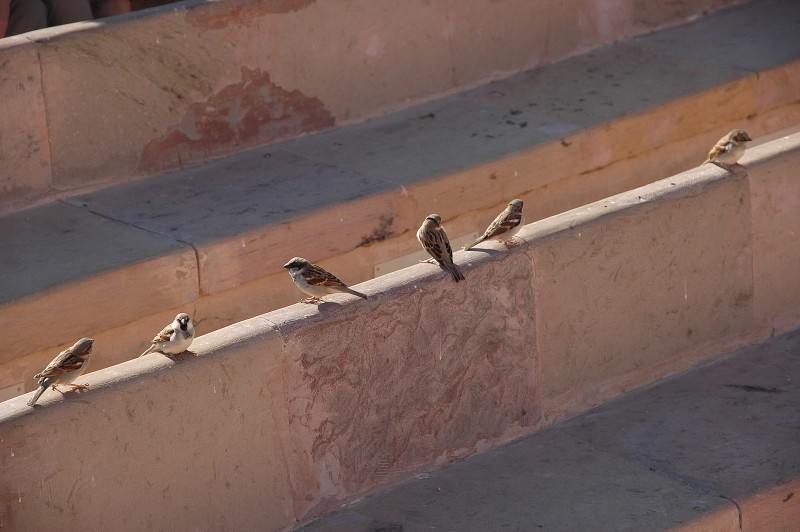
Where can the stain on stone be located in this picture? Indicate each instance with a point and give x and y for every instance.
(218, 15)
(380, 233)
(741, 299)
(752, 388)
(250, 112)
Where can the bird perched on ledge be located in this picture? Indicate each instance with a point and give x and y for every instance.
(65, 368)
(434, 240)
(174, 338)
(315, 281)
(505, 226)
(729, 149)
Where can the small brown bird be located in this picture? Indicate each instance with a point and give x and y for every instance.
(434, 240)
(65, 368)
(316, 281)
(729, 149)
(505, 226)
(173, 339)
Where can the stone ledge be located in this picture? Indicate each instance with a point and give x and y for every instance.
(361, 191)
(351, 396)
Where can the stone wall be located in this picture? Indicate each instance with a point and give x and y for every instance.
(281, 417)
(95, 103)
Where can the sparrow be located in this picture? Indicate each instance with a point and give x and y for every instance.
(315, 281)
(174, 338)
(729, 149)
(65, 368)
(505, 226)
(434, 239)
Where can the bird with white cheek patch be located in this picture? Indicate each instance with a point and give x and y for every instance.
(175, 338)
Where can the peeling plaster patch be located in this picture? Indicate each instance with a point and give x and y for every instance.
(218, 15)
(247, 113)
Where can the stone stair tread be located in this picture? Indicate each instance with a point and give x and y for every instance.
(56, 243)
(685, 451)
(230, 196)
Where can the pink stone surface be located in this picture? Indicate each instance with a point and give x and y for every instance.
(24, 143)
(775, 223)
(423, 373)
(654, 285)
(248, 113)
(162, 89)
(201, 440)
(283, 417)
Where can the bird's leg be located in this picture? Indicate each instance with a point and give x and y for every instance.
(428, 261)
(76, 387)
(513, 242)
(311, 300)
(53, 387)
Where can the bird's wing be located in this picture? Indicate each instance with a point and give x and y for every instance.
(65, 362)
(723, 145)
(503, 223)
(431, 242)
(165, 335)
(317, 276)
(445, 243)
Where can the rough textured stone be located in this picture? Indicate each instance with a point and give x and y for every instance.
(382, 388)
(687, 454)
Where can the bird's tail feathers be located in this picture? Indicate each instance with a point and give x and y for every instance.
(148, 350)
(481, 239)
(38, 394)
(454, 271)
(356, 293)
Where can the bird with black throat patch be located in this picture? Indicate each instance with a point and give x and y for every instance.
(505, 226)
(173, 339)
(434, 240)
(64, 369)
(316, 281)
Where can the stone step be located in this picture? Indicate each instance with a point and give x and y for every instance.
(93, 104)
(712, 449)
(287, 416)
(211, 240)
